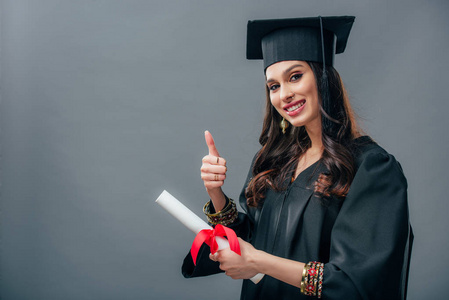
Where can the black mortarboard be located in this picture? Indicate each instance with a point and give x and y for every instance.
(298, 39)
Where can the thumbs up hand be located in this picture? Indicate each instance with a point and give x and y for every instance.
(213, 173)
(213, 170)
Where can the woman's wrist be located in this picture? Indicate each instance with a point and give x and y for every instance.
(286, 270)
(260, 259)
(218, 198)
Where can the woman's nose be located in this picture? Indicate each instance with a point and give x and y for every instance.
(286, 94)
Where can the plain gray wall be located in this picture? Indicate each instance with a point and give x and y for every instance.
(104, 105)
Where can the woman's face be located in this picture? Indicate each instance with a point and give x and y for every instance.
(293, 92)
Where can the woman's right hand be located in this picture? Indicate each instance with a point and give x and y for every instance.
(213, 172)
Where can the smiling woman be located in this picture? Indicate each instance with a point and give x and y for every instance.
(292, 84)
(325, 208)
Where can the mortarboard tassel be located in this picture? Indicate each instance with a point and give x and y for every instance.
(328, 121)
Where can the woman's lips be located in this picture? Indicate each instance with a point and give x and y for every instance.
(295, 108)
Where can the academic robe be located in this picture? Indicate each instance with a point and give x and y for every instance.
(364, 240)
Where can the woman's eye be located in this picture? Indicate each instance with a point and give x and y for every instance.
(296, 77)
(273, 87)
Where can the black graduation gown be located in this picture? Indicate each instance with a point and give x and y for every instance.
(363, 240)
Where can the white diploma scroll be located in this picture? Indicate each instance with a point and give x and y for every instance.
(192, 221)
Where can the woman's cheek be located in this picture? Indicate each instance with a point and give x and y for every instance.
(275, 102)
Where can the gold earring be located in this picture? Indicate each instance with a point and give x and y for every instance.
(284, 125)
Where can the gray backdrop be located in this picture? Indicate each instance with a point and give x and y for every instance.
(104, 105)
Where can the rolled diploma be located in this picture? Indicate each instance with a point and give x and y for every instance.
(192, 221)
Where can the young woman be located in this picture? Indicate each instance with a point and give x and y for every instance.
(325, 208)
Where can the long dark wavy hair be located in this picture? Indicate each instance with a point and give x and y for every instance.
(280, 153)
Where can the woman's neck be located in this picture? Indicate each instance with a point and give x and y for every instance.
(312, 154)
(316, 142)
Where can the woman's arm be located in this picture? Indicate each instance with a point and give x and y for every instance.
(253, 261)
(286, 270)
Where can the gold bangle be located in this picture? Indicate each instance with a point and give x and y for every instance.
(206, 209)
(223, 217)
(303, 278)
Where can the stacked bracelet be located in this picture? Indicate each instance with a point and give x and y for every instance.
(224, 217)
(312, 279)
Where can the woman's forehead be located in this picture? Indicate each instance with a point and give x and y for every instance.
(284, 66)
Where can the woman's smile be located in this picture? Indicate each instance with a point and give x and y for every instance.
(295, 108)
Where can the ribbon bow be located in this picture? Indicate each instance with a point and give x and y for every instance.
(208, 236)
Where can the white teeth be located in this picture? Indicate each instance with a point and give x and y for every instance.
(295, 107)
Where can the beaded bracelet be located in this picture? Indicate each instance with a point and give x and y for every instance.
(320, 280)
(224, 217)
(312, 279)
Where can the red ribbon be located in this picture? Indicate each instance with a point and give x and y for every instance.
(208, 236)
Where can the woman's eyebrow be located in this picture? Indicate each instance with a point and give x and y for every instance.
(291, 68)
(286, 71)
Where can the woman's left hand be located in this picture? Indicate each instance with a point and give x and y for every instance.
(238, 266)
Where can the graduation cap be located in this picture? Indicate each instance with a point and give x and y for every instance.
(314, 39)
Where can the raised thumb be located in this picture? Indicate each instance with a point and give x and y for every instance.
(211, 144)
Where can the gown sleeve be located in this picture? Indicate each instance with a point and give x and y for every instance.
(369, 236)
